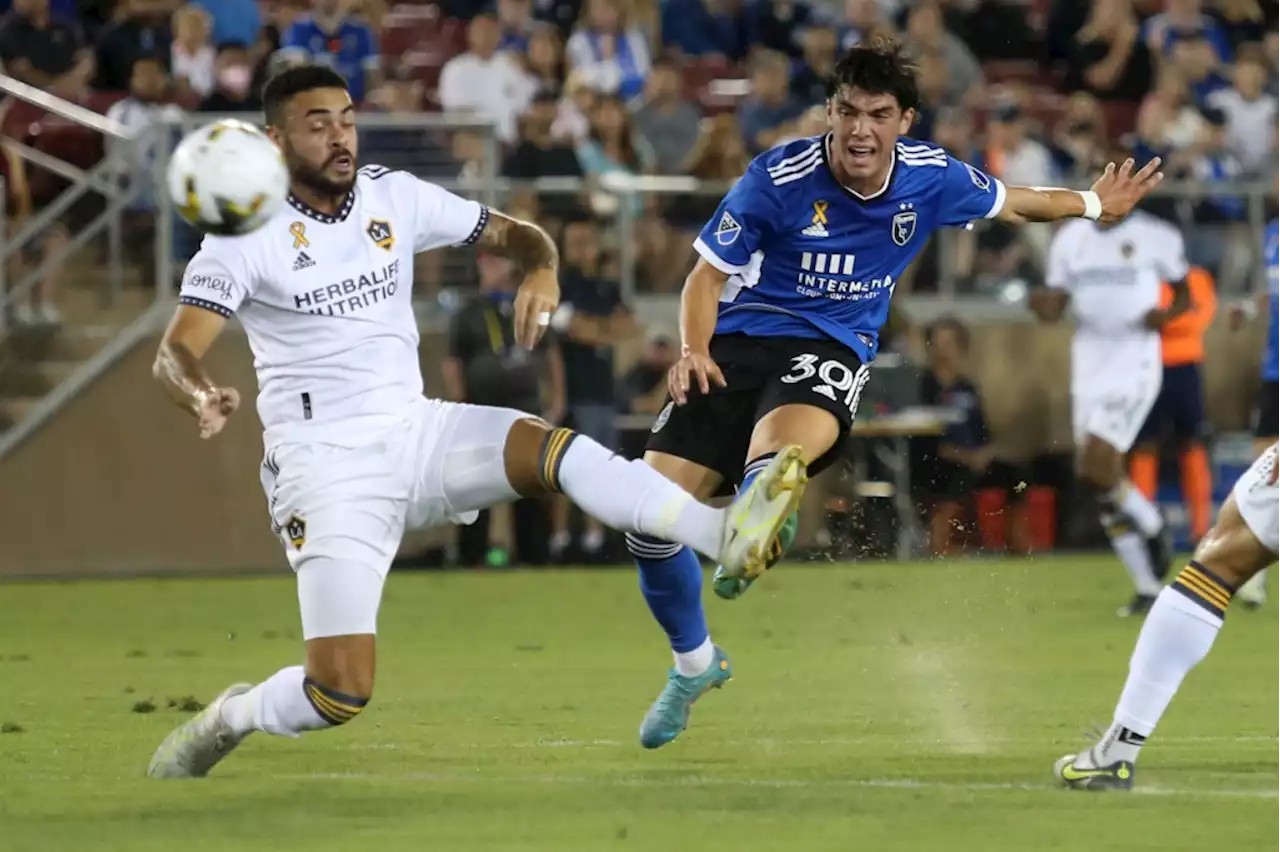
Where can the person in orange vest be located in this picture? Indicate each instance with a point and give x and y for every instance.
(1179, 409)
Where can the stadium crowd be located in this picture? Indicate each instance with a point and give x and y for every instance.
(1036, 92)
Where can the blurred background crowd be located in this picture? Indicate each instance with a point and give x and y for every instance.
(1037, 92)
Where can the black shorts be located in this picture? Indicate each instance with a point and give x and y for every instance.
(1179, 407)
(761, 373)
(1265, 414)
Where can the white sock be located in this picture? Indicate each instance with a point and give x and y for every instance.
(1178, 633)
(630, 496)
(1131, 547)
(1133, 503)
(697, 661)
(277, 706)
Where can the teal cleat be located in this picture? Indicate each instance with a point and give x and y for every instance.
(732, 587)
(669, 715)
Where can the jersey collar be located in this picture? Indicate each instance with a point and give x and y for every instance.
(888, 178)
(344, 209)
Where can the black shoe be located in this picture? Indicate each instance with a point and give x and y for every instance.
(1140, 605)
(1160, 550)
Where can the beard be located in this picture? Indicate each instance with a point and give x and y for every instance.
(317, 181)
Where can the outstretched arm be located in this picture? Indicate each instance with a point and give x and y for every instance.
(1111, 198)
(535, 253)
(179, 370)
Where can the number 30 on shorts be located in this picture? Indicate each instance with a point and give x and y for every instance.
(835, 379)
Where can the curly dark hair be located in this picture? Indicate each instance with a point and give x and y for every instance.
(881, 66)
(293, 81)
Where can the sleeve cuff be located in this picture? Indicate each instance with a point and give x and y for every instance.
(715, 260)
(479, 228)
(221, 310)
(998, 204)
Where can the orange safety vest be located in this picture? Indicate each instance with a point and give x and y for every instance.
(1182, 341)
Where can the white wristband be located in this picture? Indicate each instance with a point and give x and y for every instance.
(1092, 205)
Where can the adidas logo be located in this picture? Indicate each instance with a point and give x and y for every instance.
(303, 261)
(817, 229)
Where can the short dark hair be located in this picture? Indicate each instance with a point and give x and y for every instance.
(952, 324)
(293, 81)
(878, 67)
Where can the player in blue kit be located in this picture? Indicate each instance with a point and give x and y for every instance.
(1266, 409)
(781, 315)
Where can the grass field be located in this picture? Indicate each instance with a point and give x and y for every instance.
(875, 707)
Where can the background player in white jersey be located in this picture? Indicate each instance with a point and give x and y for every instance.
(354, 452)
(1110, 277)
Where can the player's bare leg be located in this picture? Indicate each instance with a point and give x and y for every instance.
(332, 688)
(815, 431)
(1178, 634)
(1132, 522)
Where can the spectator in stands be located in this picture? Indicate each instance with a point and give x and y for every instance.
(191, 56)
(330, 36)
(572, 114)
(819, 52)
(1251, 117)
(515, 20)
(486, 82)
(140, 28)
(1181, 20)
(862, 20)
(1080, 141)
(545, 60)
(539, 154)
(955, 464)
(768, 111)
(611, 145)
(1019, 160)
(1271, 55)
(666, 121)
(143, 108)
(590, 322)
(233, 76)
(234, 21)
(614, 54)
(644, 387)
(562, 14)
(38, 308)
(927, 31)
(779, 25)
(935, 92)
(1106, 57)
(1167, 122)
(1246, 21)
(1201, 68)
(704, 29)
(1214, 242)
(487, 367)
(44, 51)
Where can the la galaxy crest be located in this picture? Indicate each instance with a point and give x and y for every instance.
(379, 231)
(904, 225)
(296, 529)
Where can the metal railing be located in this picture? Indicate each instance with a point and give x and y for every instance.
(101, 178)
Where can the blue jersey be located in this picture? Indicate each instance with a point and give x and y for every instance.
(807, 257)
(351, 51)
(1271, 359)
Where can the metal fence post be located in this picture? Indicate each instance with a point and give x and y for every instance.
(170, 131)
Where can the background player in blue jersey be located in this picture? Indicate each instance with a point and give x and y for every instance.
(781, 317)
(1266, 410)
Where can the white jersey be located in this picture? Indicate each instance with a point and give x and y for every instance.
(326, 301)
(1114, 276)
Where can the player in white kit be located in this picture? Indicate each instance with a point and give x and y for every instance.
(1110, 278)
(354, 453)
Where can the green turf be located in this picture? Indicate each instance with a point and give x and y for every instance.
(875, 707)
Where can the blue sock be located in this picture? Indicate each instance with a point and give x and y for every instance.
(671, 581)
(753, 468)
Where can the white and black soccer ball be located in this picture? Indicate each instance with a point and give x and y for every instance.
(227, 178)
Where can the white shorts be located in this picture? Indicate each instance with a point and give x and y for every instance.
(1114, 413)
(1257, 495)
(341, 509)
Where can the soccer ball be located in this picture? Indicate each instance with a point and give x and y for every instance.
(227, 178)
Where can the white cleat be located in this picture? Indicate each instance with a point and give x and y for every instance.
(757, 514)
(198, 744)
(1253, 594)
